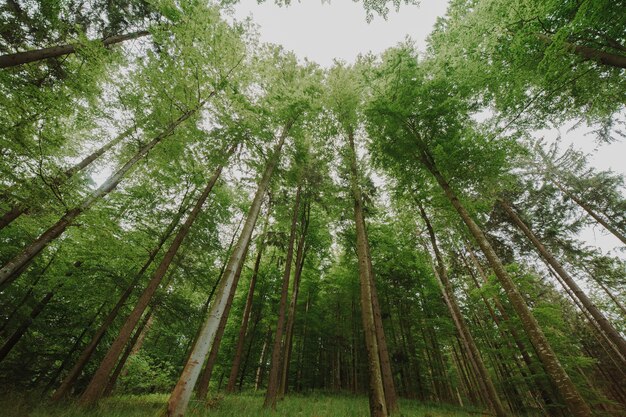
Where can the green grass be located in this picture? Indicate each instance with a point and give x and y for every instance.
(240, 405)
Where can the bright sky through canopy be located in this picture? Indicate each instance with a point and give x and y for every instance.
(324, 31)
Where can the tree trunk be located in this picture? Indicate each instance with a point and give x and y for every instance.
(618, 234)
(234, 371)
(21, 58)
(590, 54)
(291, 315)
(73, 349)
(88, 351)
(27, 295)
(131, 348)
(20, 208)
(562, 382)
(15, 266)
(459, 322)
(179, 399)
(377, 399)
(273, 382)
(19, 332)
(612, 333)
(98, 383)
(388, 384)
(258, 380)
(203, 383)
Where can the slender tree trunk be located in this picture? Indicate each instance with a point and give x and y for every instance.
(562, 382)
(291, 315)
(258, 380)
(251, 337)
(131, 348)
(608, 329)
(27, 295)
(617, 233)
(15, 266)
(533, 366)
(273, 382)
(73, 350)
(20, 208)
(385, 364)
(21, 58)
(234, 371)
(459, 322)
(203, 383)
(303, 344)
(21, 330)
(377, 399)
(179, 399)
(83, 359)
(98, 383)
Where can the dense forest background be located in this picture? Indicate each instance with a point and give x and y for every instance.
(186, 211)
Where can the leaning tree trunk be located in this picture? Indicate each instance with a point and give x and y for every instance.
(273, 382)
(179, 399)
(16, 266)
(564, 385)
(291, 314)
(234, 371)
(132, 348)
(561, 380)
(612, 333)
(459, 322)
(98, 382)
(378, 405)
(590, 54)
(617, 233)
(203, 383)
(20, 208)
(385, 364)
(88, 351)
(21, 58)
(21, 330)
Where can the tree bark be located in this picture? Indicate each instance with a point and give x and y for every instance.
(618, 234)
(83, 359)
(20, 208)
(273, 382)
(131, 349)
(203, 383)
(98, 383)
(291, 314)
(385, 364)
(562, 382)
(21, 58)
(27, 295)
(590, 54)
(16, 266)
(73, 349)
(459, 322)
(21, 330)
(179, 399)
(612, 333)
(377, 399)
(234, 371)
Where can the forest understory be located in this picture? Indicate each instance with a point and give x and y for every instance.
(196, 223)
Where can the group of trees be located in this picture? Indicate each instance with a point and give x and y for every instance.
(266, 223)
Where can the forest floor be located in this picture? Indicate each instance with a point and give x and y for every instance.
(239, 405)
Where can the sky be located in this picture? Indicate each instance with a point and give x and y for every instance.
(323, 31)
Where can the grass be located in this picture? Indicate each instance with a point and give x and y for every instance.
(238, 405)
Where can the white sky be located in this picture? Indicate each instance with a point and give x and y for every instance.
(323, 31)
